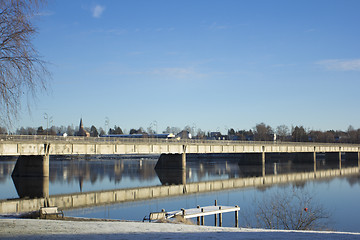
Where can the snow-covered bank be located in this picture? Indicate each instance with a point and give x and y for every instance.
(36, 229)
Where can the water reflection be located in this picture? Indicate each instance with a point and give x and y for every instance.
(95, 170)
(339, 195)
(70, 174)
(31, 187)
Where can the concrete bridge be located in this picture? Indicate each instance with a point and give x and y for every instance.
(34, 151)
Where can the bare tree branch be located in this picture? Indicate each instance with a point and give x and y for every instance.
(22, 71)
(293, 209)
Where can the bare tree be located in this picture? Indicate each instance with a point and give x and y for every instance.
(299, 134)
(200, 134)
(22, 72)
(282, 131)
(263, 132)
(3, 130)
(352, 134)
(26, 131)
(174, 130)
(70, 130)
(101, 131)
(290, 209)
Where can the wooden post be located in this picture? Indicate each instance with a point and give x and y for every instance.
(220, 218)
(198, 218)
(215, 215)
(215, 220)
(183, 212)
(237, 217)
(202, 217)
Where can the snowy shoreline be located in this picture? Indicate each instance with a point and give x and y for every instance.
(36, 229)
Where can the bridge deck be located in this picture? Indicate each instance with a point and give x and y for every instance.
(36, 145)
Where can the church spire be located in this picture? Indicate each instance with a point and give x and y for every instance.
(81, 124)
(82, 131)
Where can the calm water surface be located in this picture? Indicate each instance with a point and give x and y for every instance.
(340, 196)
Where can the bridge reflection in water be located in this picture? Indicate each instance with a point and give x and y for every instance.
(215, 172)
(32, 187)
(199, 168)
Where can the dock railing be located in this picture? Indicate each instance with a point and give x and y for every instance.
(199, 213)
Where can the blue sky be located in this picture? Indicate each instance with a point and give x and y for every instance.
(207, 64)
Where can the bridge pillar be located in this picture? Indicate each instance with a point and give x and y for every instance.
(33, 165)
(183, 161)
(263, 164)
(32, 187)
(171, 176)
(171, 161)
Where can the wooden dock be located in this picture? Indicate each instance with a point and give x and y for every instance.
(199, 213)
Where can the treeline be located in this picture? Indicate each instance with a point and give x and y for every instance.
(54, 130)
(261, 132)
(70, 131)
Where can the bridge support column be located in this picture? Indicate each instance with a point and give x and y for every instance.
(32, 187)
(33, 165)
(263, 164)
(183, 161)
(171, 161)
(171, 176)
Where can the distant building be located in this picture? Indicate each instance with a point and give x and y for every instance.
(183, 135)
(217, 136)
(82, 132)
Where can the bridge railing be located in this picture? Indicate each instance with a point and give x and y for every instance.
(79, 139)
